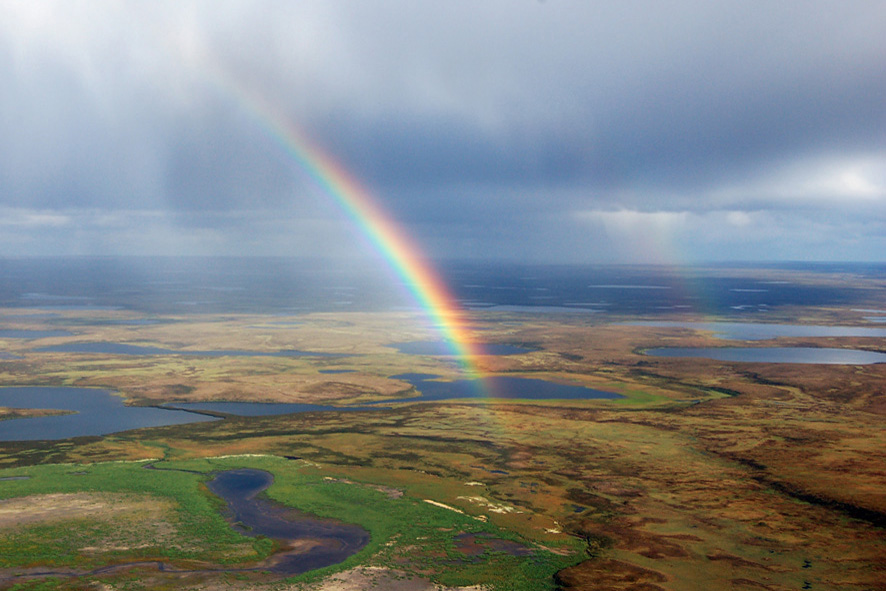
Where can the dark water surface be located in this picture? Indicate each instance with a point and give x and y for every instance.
(259, 409)
(211, 285)
(99, 412)
(330, 541)
(809, 355)
(9, 333)
(754, 331)
(505, 387)
(96, 412)
(107, 348)
(442, 348)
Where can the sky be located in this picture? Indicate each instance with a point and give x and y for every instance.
(562, 131)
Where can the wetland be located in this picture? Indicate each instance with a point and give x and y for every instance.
(598, 466)
(805, 355)
(314, 543)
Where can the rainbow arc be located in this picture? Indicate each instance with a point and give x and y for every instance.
(391, 241)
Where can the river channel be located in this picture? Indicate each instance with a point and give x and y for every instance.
(309, 542)
(315, 542)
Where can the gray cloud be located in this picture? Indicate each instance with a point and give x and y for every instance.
(518, 129)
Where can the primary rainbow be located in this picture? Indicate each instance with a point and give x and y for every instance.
(389, 239)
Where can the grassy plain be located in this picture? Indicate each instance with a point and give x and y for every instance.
(706, 475)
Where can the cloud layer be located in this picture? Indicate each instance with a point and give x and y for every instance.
(557, 131)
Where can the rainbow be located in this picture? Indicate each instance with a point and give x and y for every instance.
(403, 255)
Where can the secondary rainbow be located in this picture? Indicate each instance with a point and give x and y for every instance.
(389, 239)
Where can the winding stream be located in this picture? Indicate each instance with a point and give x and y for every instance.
(310, 542)
(315, 542)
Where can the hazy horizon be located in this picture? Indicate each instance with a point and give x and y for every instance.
(548, 132)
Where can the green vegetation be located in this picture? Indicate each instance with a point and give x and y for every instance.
(706, 474)
(199, 535)
(197, 530)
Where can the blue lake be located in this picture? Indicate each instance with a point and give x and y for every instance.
(107, 348)
(748, 331)
(497, 387)
(443, 349)
(9, 333)
(98, 412)
(775, 355)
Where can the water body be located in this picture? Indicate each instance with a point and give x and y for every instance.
(260, 409)
(747, 331)
(169, 286)
(443, 349)
(566, 308)
(32, 334)
(329, 541)
(810, 355)
(498, 387)
(97, 412)
(107, 348)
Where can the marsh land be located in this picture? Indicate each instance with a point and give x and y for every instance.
(692, 473)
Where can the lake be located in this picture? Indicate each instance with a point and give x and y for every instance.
(97, 412)
(444, 349)
(810, 355)
(259, 409)
(107, 348)
(9, 333)
(753, 331)
(169, 286)
(100, 412)
(497, 387)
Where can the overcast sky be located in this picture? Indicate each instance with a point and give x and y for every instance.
(557, 131)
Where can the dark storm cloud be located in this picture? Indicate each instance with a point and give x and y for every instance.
(518, 127)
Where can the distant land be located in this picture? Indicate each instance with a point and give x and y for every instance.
(615, 427)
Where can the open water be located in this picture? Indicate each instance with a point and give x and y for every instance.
(168, 286)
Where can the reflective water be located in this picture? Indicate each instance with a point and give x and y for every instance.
(107, 348)
(775, 354)
(258, 409)
(506, 387)
(183, 285)
(96, 412)
(9, 333)
(328, 541)
(748, 331)
(442, 348)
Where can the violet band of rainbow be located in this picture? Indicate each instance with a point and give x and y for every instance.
(385, 234)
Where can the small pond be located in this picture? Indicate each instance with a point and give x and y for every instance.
(775, 355)
(328, 541)
(96, 412)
